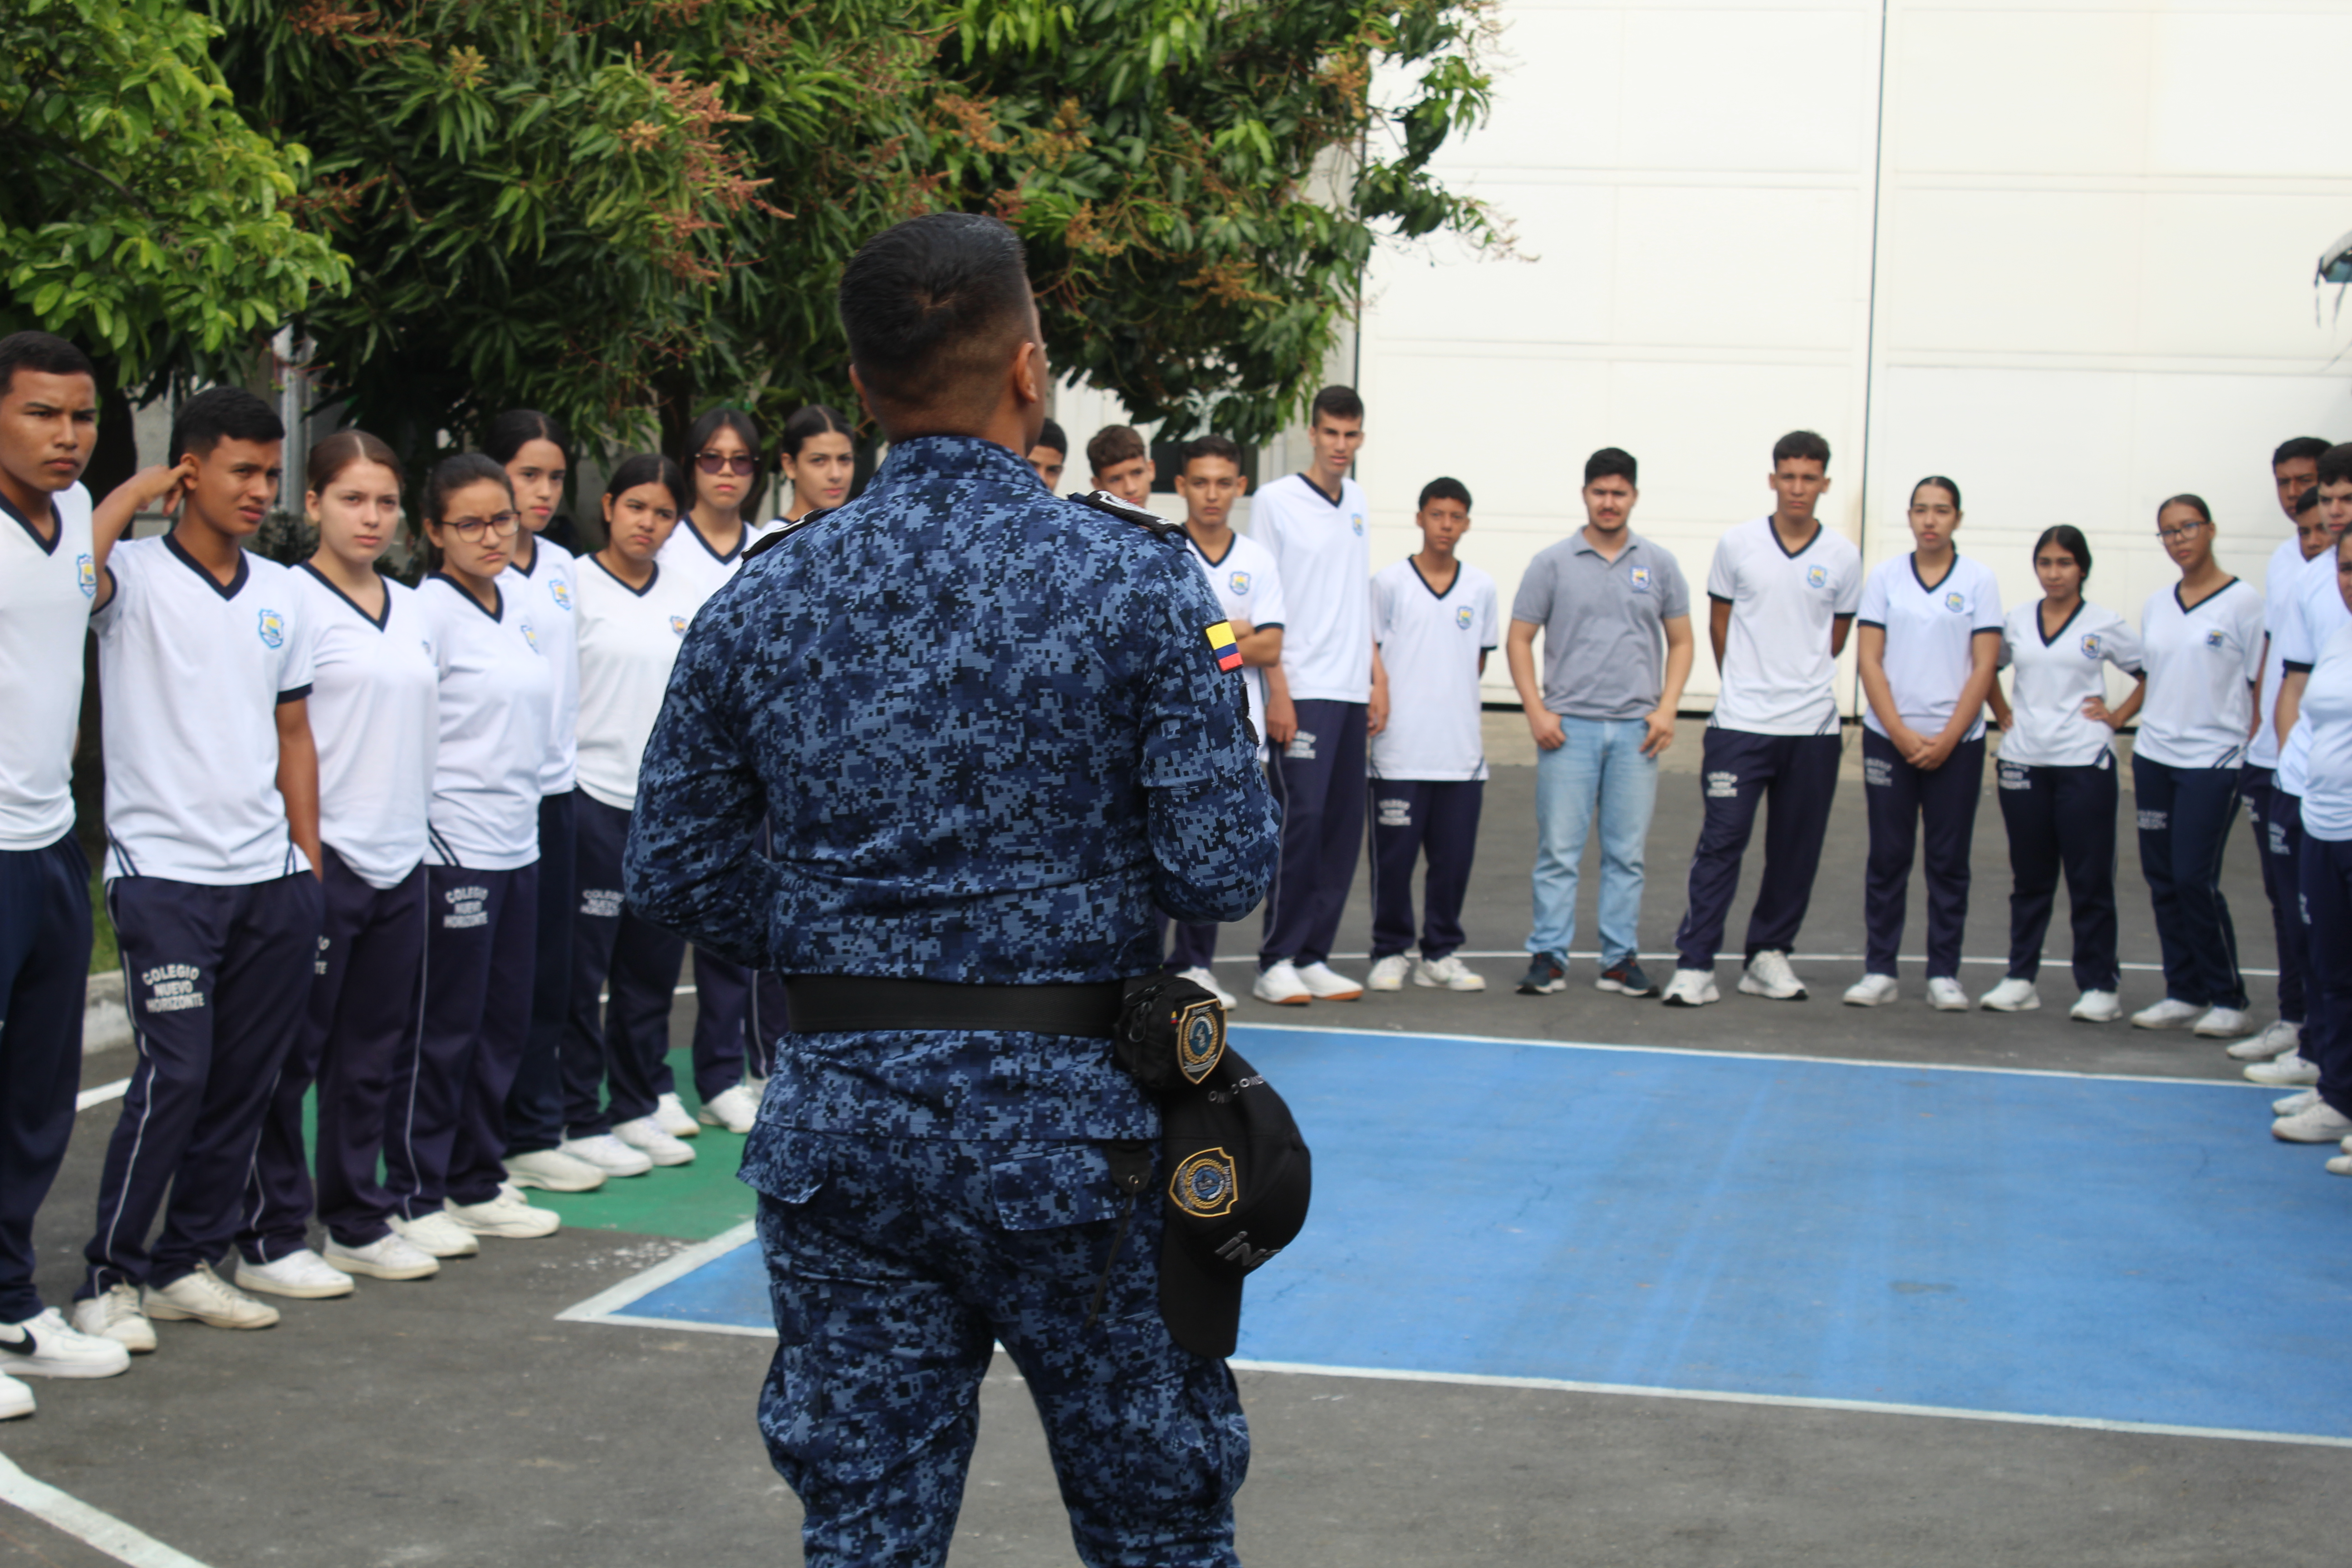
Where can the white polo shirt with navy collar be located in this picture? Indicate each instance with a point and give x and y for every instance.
(46, 586)
(1325, 558)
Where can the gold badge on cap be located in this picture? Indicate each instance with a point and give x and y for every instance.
(1207, 1184)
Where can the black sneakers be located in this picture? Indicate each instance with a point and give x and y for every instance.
(1547, 973)
(1626, 976)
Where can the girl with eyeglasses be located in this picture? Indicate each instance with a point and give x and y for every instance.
(543, 578)
(495, 693)
(2057, 773)
(1930, 633)
(2202, 641)
(818, 459)
(633, 615)
(374, 714)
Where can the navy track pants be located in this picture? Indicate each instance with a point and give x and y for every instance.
(1905, 803)
(2184, 830)
(2063, 818)
(1796, 775)
(1319, 785)
(1410, 816)
(44, 968)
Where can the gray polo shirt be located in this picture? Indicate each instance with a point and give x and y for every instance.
(1604, 644)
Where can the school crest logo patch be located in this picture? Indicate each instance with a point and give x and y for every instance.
(86, 576)
(1955, 603)
(529, 636)
(561, 592)
(1356, 522)
(1206, 1185)
(2091, 645)
(1817, 577)
(2212, 639)
(273, 630)
(678, 625)
(1238, 581)
(1639, 576)
(1462, 618)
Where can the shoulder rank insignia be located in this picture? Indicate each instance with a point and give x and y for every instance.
(1222, 643)
(1104, 501)
(769, 541)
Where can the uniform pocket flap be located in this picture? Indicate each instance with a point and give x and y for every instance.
(1068, 1187)
(785, 1163)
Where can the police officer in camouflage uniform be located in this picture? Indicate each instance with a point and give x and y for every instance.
(994, 740)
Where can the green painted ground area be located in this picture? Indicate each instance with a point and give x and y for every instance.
(691, 1203)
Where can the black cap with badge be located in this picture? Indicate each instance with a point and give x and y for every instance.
(1238, 1180)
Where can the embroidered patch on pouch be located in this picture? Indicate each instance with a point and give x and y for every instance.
(1207, 1184)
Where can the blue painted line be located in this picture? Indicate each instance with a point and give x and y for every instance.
(2005, 1243)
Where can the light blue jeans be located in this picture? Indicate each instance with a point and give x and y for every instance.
(1601, 758)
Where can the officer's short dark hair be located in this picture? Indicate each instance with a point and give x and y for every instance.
(1445, 490)
(932, 307)
(1801, 444)
(2335, 465)
(1207, 447)
(42, 351)
(1054, 438)
(221, 413)
(1338, 402)
(1114, 444)
(2300, 446)
(1613, 463)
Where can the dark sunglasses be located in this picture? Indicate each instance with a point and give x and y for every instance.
(721, 463)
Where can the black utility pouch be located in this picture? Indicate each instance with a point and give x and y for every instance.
(1170, 1034)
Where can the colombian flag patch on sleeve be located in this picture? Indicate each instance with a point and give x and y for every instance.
(1221, 642)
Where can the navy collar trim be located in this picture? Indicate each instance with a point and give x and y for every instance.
(378, 622)
(236, 585)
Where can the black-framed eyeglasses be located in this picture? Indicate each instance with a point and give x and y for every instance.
(726, 462)
(502, 525)
(2183, 531)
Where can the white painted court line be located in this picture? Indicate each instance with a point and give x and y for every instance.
(77, 1518)
(605, 1305)
(2059, 963)
(1794, 1402)
(1732, 1055)
(101, 1094)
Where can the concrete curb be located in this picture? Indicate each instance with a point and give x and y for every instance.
(105, 1023)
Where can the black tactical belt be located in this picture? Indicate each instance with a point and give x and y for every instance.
(830, 1004)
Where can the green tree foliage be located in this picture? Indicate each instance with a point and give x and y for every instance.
(142, 217)
(623, 211)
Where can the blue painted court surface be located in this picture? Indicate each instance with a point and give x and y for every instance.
(2127, 1250)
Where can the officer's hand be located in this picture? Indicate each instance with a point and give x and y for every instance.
(1281, 720)
(1660, 726)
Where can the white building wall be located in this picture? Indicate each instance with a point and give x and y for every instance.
(2067, 264)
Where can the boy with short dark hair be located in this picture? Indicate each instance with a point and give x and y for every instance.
(212, 820)
(1434, 620)
(1050, 455)
(1122, 465)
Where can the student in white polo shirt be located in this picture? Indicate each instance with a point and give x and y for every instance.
(633, 615)
(1314, 523)
(496, 691)
(1435, 620)
(1784, 590)
(374, 711)
(212, 824)
(48, 577)
(2325, 708)
(2202, 643)
(1931, 631)
(1247, 582)
(1614, 613)
(2294, 473)
(2058, 776)
(543, 578)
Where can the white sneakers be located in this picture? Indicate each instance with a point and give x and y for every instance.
(1446, 974)
(436, 1235)
(301, 1274)
(15, 1400)
(604, 1152)
(2276, 1041)
(204, 1297)
(669, 1115)
(2318, 1122)
(2011, 995)
(508, 1215)
(389, 1257)
(1691, 988)
(1767, 975)
(2167, 1014)
(1870, 991)
(1390, 973)
(2096, 1007)
(1945, 996)
(736, 1110)
(1199, 975)
(2290, 1071)
(648, 1137)
(43, 1346)
(115, 1313)
(1286, 985)
(553, 1170)
(2220, 1022)
(2301, 1100)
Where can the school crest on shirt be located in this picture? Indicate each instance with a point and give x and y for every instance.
(86, 576)
(678, 625)
(2212, 639)
(1817, 577)
(530, 636)
(1955, 603)
(1356, 522)
(273, 630)
(1462, 618)
(2091, 645)
(561, 592)
(1639, 576)
(1238, 581)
